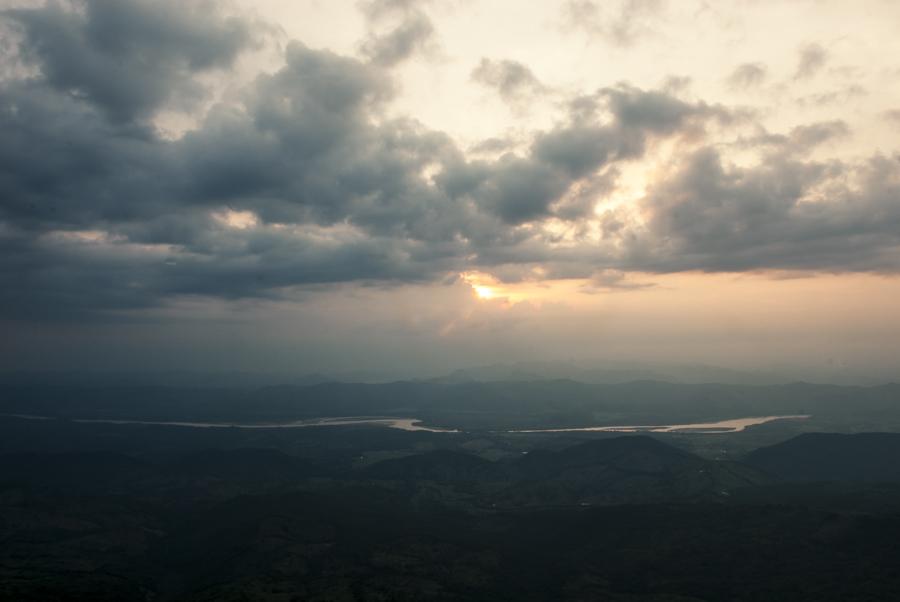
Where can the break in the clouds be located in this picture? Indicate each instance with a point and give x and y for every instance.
(313, 172)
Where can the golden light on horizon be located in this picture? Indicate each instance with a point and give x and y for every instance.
(487, 287)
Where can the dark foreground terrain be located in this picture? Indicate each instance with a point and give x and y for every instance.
(99, 511)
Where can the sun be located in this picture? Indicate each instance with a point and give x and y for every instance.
(484, 292)
(483, 285)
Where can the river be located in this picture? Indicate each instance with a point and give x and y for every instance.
(735, 425)
(404, 424)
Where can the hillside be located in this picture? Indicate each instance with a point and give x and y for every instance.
(832, 457)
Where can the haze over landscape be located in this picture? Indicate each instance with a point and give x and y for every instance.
(452, 300)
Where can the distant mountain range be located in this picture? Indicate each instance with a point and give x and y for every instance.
(616, 374)
(473, 406)
(607, 373)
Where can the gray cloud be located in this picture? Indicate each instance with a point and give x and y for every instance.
(59, 279)
(800, 140)
(63, 164)
(781, 214)
(812, 58)
(621, 28)
(412, 31)
(513, 81)
(340, 194)
(657, 112)
(99, 214)
(303, 149)
(609, 280)
(840, 95)
(129, 57)
(748, 75)
(521, 189)
(812, 135)
(411, 35)
(375, 10)
(493, 146)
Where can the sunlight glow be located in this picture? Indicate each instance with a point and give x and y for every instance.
(236, 220)
(483, 285)
(484, 292)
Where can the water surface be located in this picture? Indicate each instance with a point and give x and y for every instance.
(404, 424)
(735, 425)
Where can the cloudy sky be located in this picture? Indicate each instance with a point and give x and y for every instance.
(418, 185)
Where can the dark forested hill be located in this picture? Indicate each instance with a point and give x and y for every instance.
(832, 457)
(175, 514)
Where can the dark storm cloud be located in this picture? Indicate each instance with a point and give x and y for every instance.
(304, 148)
(107, 217)
(566, 162)
(130, 57)
(62, 164)
(259, 264)
(781, 214)
(521, 189)
(61, 276)
(300, 179)
(512, 80)
(578, 151)
(96, 215)
(656, 112)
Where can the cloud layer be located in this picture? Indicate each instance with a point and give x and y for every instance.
(307, 177)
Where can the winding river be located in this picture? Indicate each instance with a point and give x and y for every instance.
(412, 424)
(404, 424)
(723, 426)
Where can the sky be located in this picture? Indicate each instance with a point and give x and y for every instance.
(420, 185)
